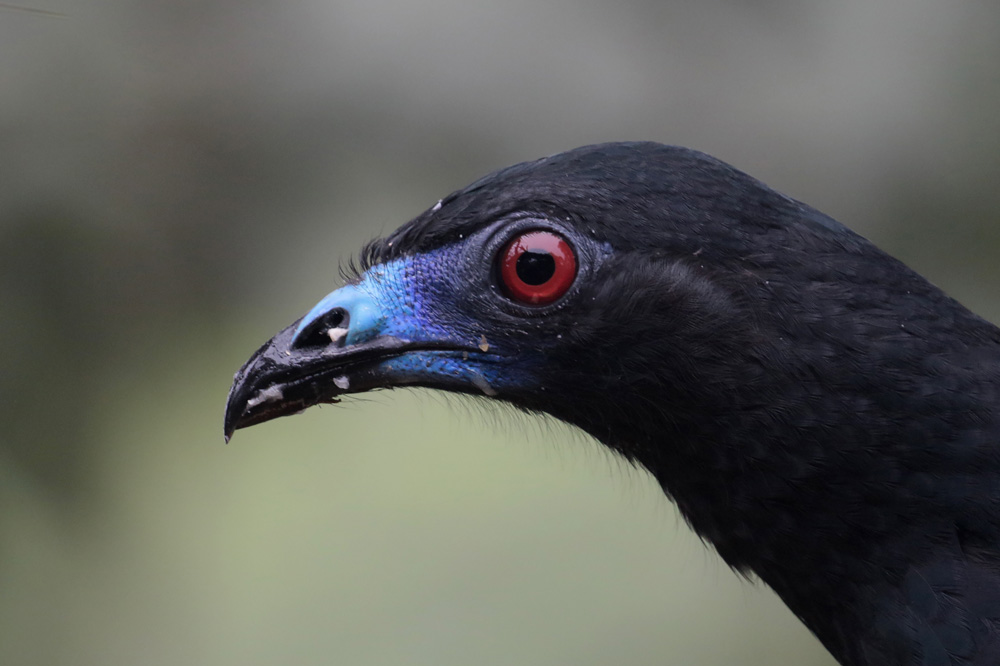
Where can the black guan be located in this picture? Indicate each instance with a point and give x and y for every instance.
(821, 414)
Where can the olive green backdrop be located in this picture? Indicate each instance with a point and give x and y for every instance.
(178, 180)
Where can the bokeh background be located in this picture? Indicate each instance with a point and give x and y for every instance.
(179, 179)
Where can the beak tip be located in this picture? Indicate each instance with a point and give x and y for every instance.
(228, 425)
(235, 409)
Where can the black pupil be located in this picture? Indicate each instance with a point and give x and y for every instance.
(536, 267)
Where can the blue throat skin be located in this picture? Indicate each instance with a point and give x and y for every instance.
(399, 300)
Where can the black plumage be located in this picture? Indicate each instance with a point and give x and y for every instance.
(821, 414)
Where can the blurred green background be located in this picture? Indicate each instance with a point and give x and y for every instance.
(179, 179)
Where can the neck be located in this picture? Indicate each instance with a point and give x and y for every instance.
(843, 500)
(841, 522)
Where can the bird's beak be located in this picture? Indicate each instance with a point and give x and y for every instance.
(331, 351)
(282, 379)
(340, 347)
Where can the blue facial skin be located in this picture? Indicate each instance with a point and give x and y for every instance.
(423, 298)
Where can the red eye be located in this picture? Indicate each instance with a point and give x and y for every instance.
(537, 267)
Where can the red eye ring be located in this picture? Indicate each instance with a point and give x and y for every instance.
(537, 267)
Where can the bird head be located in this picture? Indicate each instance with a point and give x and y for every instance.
(605, 286)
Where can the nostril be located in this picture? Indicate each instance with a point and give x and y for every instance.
(329, 328)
